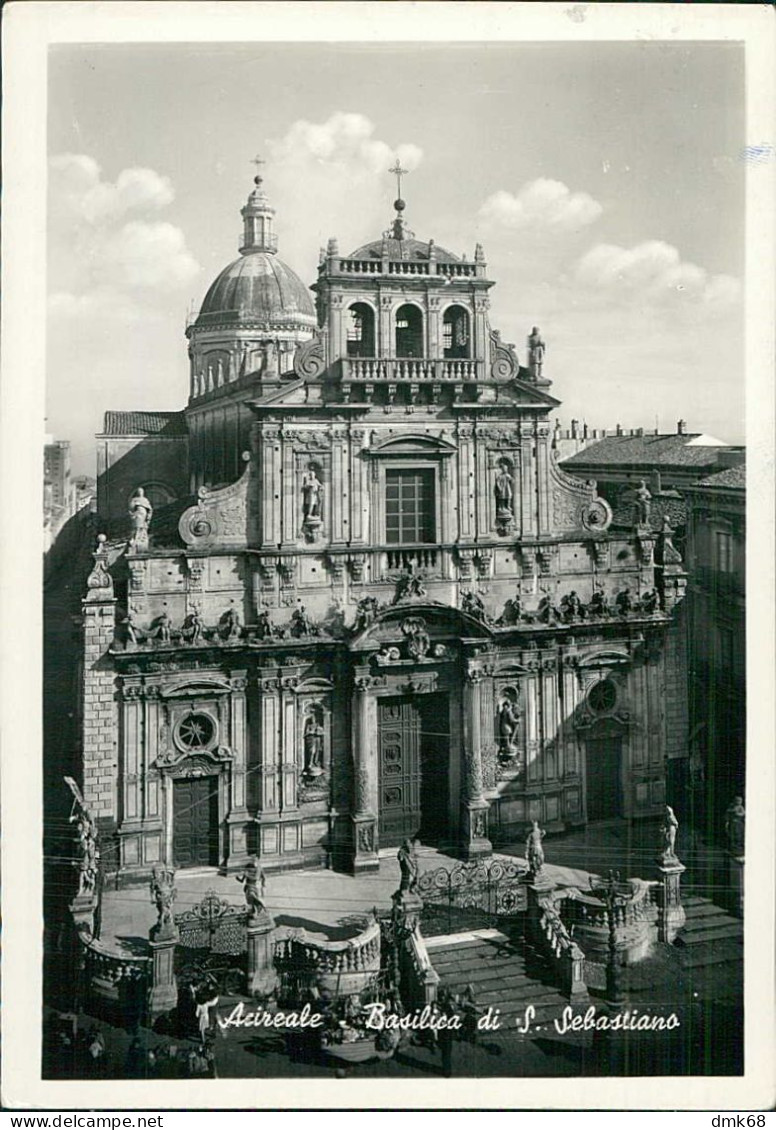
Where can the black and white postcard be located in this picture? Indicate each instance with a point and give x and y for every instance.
(395, 726)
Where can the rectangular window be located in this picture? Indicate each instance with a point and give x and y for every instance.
(723, 552)
(409, 507)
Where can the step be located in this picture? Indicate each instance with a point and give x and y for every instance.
(698, 925)
(713, 934)
(701, 910)
(727, 952)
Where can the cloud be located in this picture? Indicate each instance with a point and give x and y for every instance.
(549, 204)
(655, 272)
(79, 194)
(343, 144)
(108, 252)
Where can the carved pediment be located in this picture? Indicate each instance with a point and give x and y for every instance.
(220, 517)
(411, 443)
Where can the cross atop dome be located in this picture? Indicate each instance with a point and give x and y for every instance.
(258, 162)
(257, 217)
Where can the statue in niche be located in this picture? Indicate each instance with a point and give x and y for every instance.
(140, 514)
(536, 350)
(508, 724)
(642, 504)
(504, 488)
(312, 490)
(254, 883)
(313, 746)
(163, 894)
(669, 830)
(534, 852)
(735, 827)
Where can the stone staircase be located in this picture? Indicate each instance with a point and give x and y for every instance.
(710, 936)
(505, 973)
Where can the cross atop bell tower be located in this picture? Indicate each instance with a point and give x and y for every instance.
(399, 230)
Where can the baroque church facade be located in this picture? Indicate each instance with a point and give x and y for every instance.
(347, 595)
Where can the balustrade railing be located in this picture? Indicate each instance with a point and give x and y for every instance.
(339, 967)
(561, 949)
(378, 369)
(423, 978)
(405, 267)
(400, 559)
(108, 972)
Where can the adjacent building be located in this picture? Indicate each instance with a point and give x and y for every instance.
(347, 594)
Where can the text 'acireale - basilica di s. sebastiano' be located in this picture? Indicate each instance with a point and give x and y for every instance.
(346, 595)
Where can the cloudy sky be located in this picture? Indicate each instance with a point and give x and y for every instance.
(603, 179)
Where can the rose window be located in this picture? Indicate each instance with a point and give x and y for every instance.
(602, 697)
(196, 731)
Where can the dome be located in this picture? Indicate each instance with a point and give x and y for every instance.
(412, 249)
(257, 287)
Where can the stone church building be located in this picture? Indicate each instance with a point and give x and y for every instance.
(347, 595)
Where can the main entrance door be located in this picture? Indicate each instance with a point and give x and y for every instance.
(414, 743)
(604, 793)
(195, 822)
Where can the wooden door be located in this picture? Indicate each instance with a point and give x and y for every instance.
(398, 729)
(195, 822)
(434, 768)
(603, 760)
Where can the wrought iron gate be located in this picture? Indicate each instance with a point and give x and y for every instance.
(489, 890)
(212, 943)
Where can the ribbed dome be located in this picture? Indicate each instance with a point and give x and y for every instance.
(257, 287)
(412, 249)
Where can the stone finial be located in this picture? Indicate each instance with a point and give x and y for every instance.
(99, 582)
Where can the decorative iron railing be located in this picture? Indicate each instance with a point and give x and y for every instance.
(494, 887)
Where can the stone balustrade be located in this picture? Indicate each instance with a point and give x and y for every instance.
(108, 971)
(337, 968)
(379, 369)
(405, 267)
(561, 949)
(422, 977)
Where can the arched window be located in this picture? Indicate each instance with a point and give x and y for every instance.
(361, 330)
(456, 337)
(409, 332)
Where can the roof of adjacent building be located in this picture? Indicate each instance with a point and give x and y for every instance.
(257, 287)
(145, 423)
(648, 451)
(732, 478)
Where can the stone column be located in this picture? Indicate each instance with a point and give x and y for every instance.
(365, 778)
(671, 916)
(262, 977)
(474, 808)
(164, 989)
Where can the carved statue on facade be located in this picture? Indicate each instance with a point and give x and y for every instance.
(504, 489)
(534, 852)
(88, 853)
(229, 627)
(623, 603)
(387, 655)
(366, 842)
(650, 602)
(140, 514)
(599, 605)
(366, 612)
(131, 632)
(301, 624)
(642, 504)
(536, 350)
(418, 640)
(473, 605)
(668, 831)
(192, 627)
(408, 865)
(162, 628)
(409, 585)
(312, 501)
(508, 724)
(254, 883)
(513, 612)
(547, 613)
(163, 894)
(313, 746)
(571, 607)
(263, 625)
(735, 827)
